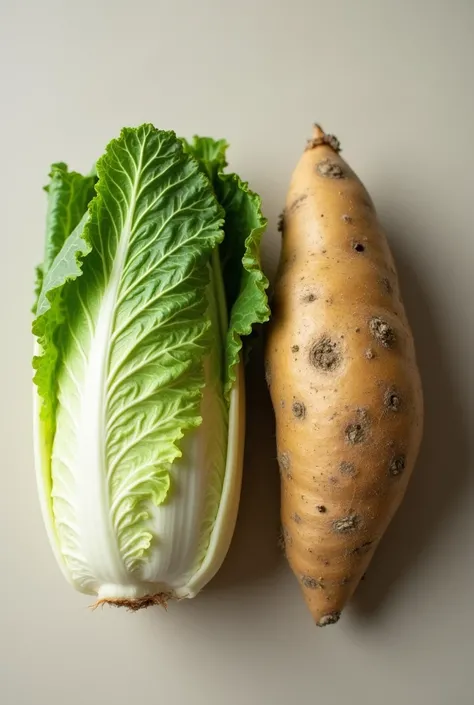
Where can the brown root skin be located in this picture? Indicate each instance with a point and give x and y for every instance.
(135, 604)
(346, 357)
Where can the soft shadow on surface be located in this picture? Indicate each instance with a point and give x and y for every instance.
(441, 473)
(254, 551)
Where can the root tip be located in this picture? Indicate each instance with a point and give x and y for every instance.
(318, 131)
(134, 604)
(330, 618)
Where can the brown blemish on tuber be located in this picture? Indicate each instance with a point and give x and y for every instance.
(358, 246)
(347, 218)
(284, 464)
(311, 583)
(325, 354)
(268, 373)
(397, 465)
(286, 536)
(296, 518)
(321, 509)
(382, 332)
(346, 524)
(330, 169)
(347, 469)
(355, 433)
(281, 222)
(370, 354)
(363, 548)
(386, 285)
(298, 409)
(309, 298)
(392, 400)
(295, 348)
(297, 202)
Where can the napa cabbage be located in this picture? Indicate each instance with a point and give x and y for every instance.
(150, 281)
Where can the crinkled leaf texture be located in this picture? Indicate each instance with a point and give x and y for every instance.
(245, 282)
(139, 404)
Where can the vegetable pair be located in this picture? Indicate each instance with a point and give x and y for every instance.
(151, 277)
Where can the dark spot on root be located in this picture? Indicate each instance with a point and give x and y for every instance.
(362, 549)
(324, 561)
(311, 583)
(370, 354)
(298, 409)
(347, 218)
(333, 480)
(386, 285)
(346, 524)
(281, 222)
(382, 332)
(327, 619)
(286, 536)
(309, 298)
(357, 330)
(325, 354)
(284, 464)
(330, 169)
(355, 433)
(295, 348)
(297, 202)
(321, 509)
(296, 518)
(358, 247)
(397, 465)
(347, 469)
(268, 373)
(392, 400)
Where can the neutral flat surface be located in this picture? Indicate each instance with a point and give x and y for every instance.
(394, 81)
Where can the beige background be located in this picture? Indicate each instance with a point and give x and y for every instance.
(394, 80)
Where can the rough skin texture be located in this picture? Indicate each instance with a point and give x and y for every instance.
(339, 346)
